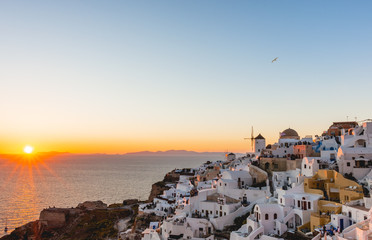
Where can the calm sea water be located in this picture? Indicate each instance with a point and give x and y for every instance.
(65, 181)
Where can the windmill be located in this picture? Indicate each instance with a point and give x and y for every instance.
(251, 138)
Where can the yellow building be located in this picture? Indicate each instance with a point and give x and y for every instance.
(323, 215)
(335, 189)
(333, 186)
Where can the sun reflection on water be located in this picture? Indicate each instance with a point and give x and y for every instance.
(21, 199)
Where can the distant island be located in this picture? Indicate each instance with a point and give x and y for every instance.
(175, 152)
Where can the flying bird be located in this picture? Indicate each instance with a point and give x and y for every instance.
(274, 60)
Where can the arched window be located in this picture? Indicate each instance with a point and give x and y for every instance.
(266, 216)
(275, 216)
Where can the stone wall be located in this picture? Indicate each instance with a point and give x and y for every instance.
(258, 174)
(53, 218)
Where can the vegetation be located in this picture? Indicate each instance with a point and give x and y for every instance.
(115, 205)
(96, 224)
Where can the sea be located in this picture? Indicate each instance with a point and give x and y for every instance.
(66, 180)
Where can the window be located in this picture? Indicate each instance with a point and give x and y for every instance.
(203, 211)
(281, 200)
(304, 165)
(275, 216)
(220, 207)
(216, 212)
(309, 205)
(349, 214)
(348, 164)
(298, 203)
(266, 216)
(224, 213)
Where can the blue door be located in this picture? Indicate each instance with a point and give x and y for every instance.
(341, 225)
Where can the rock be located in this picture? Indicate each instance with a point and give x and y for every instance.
(171, 177)
(92, 205)
(157, 189)
(130, 201)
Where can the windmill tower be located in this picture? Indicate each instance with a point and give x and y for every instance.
(252, 139)
(259, 143)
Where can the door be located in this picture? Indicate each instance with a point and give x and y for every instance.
(341, 225)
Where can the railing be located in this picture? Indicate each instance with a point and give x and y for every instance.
(320, 215)
(288, 217)
(256, 232)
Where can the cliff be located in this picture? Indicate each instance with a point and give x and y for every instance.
(158, 187)
(73, 223)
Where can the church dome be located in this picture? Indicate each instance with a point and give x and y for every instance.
(289, 133)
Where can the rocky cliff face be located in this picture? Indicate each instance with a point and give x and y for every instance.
(62, 223)
(158, 187)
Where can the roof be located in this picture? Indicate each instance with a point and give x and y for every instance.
(346, 123)
(227, 180)
(289, 133)
(308, 196)
(267, 207)
(235, 174)
(259, 137)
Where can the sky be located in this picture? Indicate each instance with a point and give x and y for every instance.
(126, 76)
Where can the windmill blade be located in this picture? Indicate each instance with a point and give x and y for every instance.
(252, 139)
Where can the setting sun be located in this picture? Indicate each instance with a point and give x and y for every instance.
(28, 149)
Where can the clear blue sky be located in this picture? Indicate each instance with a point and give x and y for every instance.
(119, 76)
